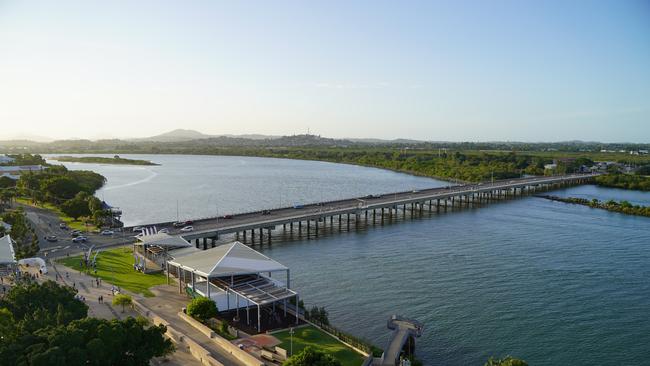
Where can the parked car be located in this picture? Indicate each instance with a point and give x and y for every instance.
(51, 238)
(107, 232)
(80, 239)
(63, 226)
(187, 228)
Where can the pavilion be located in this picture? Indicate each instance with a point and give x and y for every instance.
(7, 256)
(155, 247)
(234, 276)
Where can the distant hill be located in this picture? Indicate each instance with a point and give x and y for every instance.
(175, 135)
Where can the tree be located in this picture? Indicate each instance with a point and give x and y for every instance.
(35, 306)
(76, 208)
(123, 300)
(202, 309)
(90, 341)
(311, 357)
(507, 361)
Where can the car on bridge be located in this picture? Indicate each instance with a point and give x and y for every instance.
(266, 212)
(187, 229)
(227, 217)
(182, 223)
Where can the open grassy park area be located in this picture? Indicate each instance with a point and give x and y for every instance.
(312, 336)
(116, 266)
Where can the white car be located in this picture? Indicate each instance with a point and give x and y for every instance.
(108, 232)
(80, 239)
(187, 228)
(164, 231)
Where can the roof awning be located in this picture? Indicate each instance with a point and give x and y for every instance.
(163, 240)
(227, 260)
(7, 255)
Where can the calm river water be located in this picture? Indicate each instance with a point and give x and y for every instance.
(548, 282)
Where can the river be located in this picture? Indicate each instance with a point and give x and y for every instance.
(545, 281)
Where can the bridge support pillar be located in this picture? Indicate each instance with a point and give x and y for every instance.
(348, 222)
(308, 224)
(269, 234)
(244, 236)
(205, 243)
(316, 225)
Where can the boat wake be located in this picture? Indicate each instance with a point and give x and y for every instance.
(144, 180)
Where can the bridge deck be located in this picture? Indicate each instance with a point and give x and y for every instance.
(255, 220)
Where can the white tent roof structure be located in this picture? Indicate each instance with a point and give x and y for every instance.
(7, 255)
(163, 240)
(227, 260)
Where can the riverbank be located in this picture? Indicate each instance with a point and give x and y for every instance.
(623, 207)
(102, 160)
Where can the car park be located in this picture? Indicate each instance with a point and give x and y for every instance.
(187, 229)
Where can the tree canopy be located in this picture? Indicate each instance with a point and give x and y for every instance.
(46, 325)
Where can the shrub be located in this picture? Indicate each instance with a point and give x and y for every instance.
(202, 309)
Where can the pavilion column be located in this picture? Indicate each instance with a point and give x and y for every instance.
(259, 318)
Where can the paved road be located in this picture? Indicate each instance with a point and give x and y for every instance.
(46, 223)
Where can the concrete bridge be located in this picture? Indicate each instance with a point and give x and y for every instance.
(309, 219)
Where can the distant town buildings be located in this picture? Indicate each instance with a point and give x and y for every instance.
(4, 159)
(14, 172)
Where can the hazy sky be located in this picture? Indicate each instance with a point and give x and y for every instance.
(435, 70)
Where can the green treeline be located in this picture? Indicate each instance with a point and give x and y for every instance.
(471, 167)
(102, 160)
(625, 181)
(611, 205)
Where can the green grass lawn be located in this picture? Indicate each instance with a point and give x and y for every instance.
(116, 266)
(72, 223)
(312, 336)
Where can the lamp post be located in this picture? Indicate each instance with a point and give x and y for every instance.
(291, 339)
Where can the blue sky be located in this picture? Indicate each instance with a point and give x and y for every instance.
(434, 70)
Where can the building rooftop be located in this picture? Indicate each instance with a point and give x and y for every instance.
(225, 260)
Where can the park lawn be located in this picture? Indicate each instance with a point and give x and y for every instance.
(72, 223)
(115, 266)
(312, 336)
